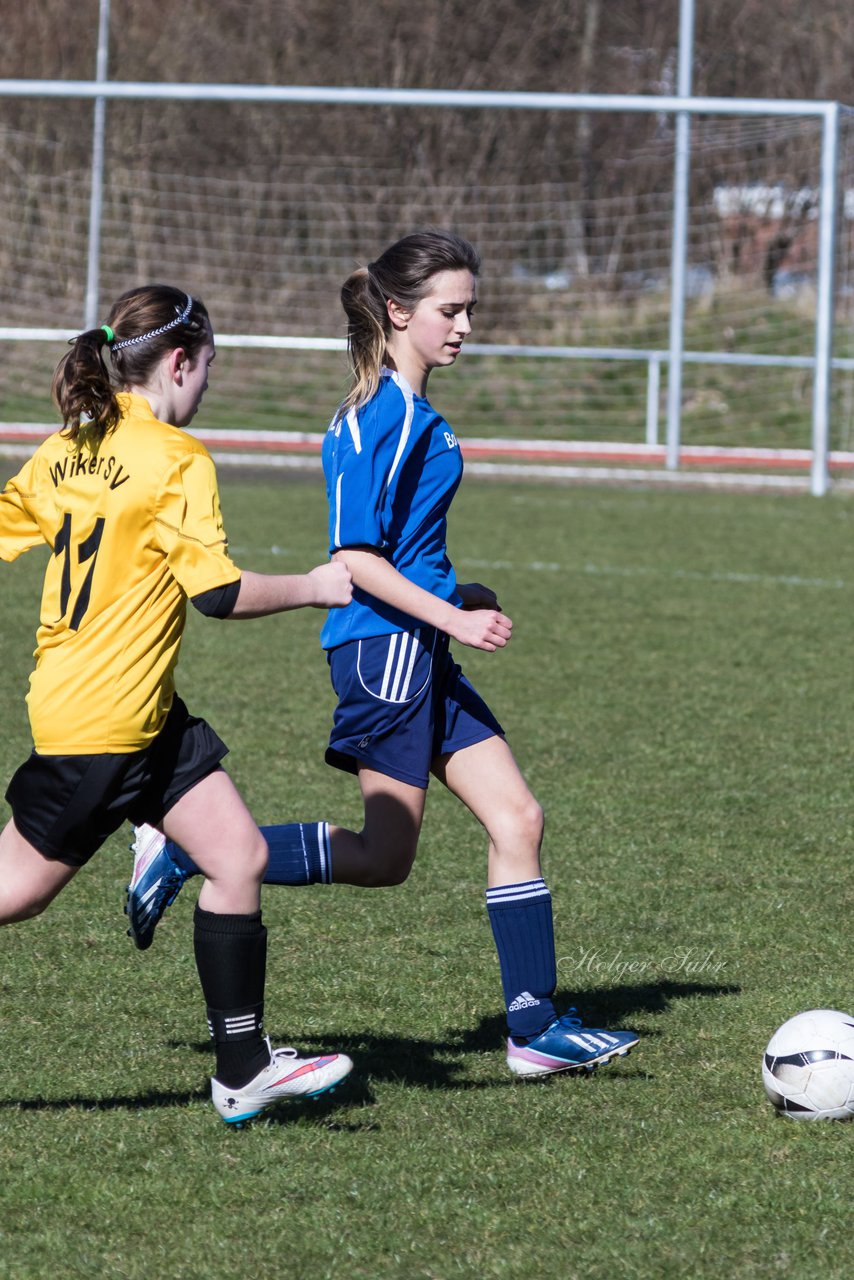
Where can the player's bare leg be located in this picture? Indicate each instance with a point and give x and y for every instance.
(488, 780)
(215, 827)
(28, 880)
(383, 852)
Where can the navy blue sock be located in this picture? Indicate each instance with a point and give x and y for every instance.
(300, 853)
(521, 919)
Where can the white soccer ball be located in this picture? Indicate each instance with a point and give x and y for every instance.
(808, 1067)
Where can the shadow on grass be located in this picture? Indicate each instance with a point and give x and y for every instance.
(607, 1007)
(441, 1064)
(291, 1112)
(417, 1063)
(117, 1102)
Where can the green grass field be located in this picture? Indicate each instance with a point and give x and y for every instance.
(679, 693)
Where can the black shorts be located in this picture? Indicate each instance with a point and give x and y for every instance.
(67, 806)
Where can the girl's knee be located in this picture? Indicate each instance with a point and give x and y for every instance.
(14, 912)
(245, 863)
(536, 820)
(389, 867)
(257, 858)
(528, 822)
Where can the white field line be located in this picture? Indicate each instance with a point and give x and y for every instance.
(679, 575)
(606, 571)
(588, 475)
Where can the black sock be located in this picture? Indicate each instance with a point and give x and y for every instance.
(231, 957)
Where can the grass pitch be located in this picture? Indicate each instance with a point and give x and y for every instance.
(678, 693)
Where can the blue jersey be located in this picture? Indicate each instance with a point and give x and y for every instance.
(392, 467)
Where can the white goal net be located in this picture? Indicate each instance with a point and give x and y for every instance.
(264, 210)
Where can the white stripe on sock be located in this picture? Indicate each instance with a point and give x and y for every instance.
(517, 892)
(237, 1026)
(325, 847)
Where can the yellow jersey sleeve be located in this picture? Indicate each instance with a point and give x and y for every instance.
(189, 526)
(19, 526)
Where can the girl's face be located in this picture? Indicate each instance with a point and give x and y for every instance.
(432, 335)
(192, 385)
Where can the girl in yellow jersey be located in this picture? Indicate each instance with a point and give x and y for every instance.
(128, 503)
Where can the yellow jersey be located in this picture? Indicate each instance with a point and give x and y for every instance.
(136, 528)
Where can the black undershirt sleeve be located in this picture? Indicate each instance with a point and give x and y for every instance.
(219, 602)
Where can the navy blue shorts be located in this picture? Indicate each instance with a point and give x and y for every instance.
(402, 703)
(67, 806)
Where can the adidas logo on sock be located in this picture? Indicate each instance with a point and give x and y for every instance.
(523, 1001)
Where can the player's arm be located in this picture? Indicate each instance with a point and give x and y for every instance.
(256, 595)
(479, 628)
(326, 587)
(19, 527)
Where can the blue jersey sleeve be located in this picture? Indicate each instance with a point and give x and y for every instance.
(362, 459)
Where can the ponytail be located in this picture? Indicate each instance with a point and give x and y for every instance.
(367, 331)
(82, 389)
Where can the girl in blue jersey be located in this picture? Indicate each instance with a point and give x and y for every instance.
(405, 710)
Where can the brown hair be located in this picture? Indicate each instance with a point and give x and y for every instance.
(144, 324)
(403, 274)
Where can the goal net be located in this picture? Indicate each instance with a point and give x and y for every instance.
(264, 210)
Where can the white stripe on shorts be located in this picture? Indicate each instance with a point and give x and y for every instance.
(392, 646)
(403, 654)
(400, 663)
(413, 654)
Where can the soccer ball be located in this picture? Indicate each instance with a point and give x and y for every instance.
(808, 1067)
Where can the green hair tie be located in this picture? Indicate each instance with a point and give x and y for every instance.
(111, 337)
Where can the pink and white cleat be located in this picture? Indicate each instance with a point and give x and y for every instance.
(286, 1076)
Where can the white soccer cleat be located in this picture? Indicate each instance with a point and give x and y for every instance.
(286, 1076)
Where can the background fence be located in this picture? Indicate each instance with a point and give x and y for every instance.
(263, 207)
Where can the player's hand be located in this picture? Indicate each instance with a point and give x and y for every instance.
(475, 595)
(482, 629)
(333, 585)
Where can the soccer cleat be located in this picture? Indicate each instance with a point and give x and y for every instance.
(155, 883)
(286, 1076)
(567, 1045)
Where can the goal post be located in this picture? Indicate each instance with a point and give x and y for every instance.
(574, 337)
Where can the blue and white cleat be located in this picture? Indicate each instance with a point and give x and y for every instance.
(567, 1045)
(286, 1076)
(155, 883)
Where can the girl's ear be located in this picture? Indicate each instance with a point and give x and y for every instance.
(398, 315)
(176, 364)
